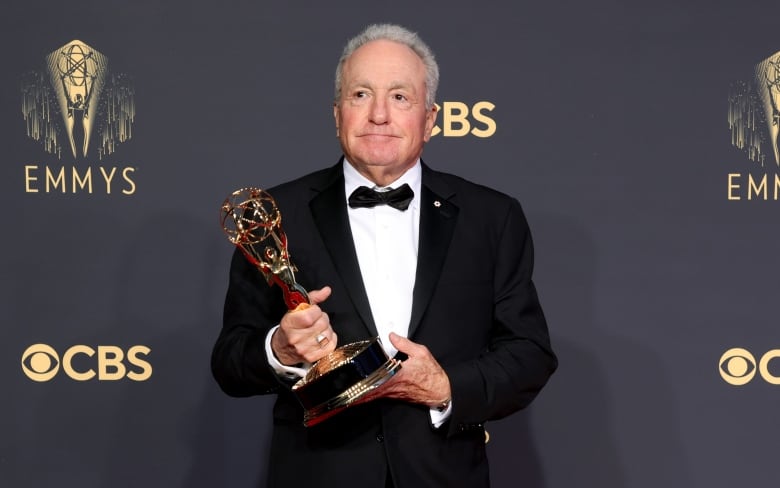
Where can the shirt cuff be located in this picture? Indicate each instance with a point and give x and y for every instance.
(438, 417)
(287, 372)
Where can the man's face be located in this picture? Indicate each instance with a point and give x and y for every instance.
(381, 119)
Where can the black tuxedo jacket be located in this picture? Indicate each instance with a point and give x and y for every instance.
(475, 307)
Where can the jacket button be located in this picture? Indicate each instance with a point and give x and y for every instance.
(380, 438)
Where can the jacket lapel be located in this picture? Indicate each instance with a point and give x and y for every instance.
(438, 216)
(329, 209)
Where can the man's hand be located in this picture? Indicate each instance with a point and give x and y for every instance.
(305, 334)
(420, 380)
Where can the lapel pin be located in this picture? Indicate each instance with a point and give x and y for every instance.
(437, 203)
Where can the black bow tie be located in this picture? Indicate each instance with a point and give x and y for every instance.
(366, 197)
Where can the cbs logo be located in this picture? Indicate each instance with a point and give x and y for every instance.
(40, 362)
(738, 366)
(456, 121)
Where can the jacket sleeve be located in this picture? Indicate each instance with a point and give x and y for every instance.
(518, 359)
(252, 308)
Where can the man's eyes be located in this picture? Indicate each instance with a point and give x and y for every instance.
(399, 98)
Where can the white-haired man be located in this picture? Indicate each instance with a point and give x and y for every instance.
(443, 278)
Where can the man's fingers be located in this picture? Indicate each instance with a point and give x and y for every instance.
(326, 337)
(304, 318)
(314, 348)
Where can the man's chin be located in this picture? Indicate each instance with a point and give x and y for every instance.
(376, 158)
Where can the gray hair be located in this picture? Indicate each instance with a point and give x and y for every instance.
(401, 35)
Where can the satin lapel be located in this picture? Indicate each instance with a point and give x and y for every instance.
(329, 210)
(438, 217)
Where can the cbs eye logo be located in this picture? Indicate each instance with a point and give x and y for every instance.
(738, 366)
(40, 362)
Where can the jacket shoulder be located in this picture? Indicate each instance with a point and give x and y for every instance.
(467, 192)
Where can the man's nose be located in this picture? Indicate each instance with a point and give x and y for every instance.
(378, 113)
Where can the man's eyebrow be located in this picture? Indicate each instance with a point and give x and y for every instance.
(359, 83)
(394, 85)
(401, 84)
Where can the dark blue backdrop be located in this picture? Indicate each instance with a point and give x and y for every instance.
(611, 128)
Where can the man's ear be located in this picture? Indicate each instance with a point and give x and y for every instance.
(430, 121)
(336, 117)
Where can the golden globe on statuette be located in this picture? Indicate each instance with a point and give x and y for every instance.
(252, 222)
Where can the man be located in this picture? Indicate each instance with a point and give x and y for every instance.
(445, 282)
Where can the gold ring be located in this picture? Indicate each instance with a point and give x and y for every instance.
(321, 340)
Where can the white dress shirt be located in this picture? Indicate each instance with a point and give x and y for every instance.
(386, 244)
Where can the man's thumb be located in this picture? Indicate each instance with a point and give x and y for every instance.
(319, 296)
(400, 342)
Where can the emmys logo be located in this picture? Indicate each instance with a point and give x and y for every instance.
(754, 122)
(40, 362)
(75, 106)
(459, 120)
(738, 366)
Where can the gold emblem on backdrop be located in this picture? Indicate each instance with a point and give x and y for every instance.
(76, 104)
(754, 122)
(754, 113)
